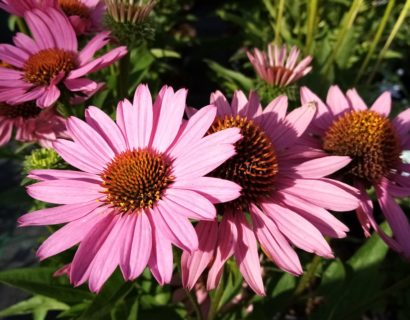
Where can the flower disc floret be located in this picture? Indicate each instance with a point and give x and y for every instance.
(255, 165)
(369, 139)
(136, 179)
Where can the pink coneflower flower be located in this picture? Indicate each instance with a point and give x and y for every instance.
(84, 15)
(345, 126)
(276, 68)
(287, 197)
(140, 180)
(39, 65)
(31, 124)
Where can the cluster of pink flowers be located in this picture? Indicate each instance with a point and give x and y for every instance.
(33, 70)
(251, 177)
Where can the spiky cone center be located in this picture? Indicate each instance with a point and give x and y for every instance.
(370, 139)
(136, 179)
(41, 68)
(74, 8)
(255, 165)
(25, 110)
(128, 11)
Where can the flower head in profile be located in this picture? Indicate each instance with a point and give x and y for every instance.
(287, 197)
(345, 126)
(277, 68)
(140, 180)
(31, 124)
(39, 66)
(84, 15)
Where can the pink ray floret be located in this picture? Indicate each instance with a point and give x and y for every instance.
(140, 180)
(30, 124)
(277, 68)
(289, 210)
(37, 67)
(389, 175)
(85, 15)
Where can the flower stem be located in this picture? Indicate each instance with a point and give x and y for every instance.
(311, 25)
(21, 25)
(194, 304)
(390, 39)
(279, 17)
(376, 38)
(122, 85)
(308, 275)
(213, 310)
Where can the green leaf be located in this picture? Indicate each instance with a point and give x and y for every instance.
(161, 53)
(41, 281)
(38, 305)
(235, 80)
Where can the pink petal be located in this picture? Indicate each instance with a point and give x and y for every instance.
(356, 102)
(293, 126)
(323, 117)
(5, 132)
(50, 174)
(13, 55)
(161, 260)
(107, 258)
(26, 43)
(274, 243)
(89, 248)
(80, 84)
(65, 191)
(396, 218)
(194, 130)
(246, 255)
(223, 106)
(215, 189)
(127, 122)
(69, 235)
(383, 104)
(175, 228)
(321, 193)
(57, 215)
(194, 264)
(106, 128)
(170, 119)
(90, 140)
(337, 101)
(239, 101)
(326, 223)
(298, 230)
(274, 113)
(321, 167)
(75, 155)
(49, 97)
(227, 238)
(92, 46)
(189, 204)
(143, 105)
(136, 249)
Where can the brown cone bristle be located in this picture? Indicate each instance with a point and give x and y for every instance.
(46, 64)
(369, 139)
(25, 110)
(74, 8)
(136, 179)
(254, 166)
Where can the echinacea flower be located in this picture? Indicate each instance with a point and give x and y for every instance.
(31, 124)
(277, 68)
(140, 181)
(84, 15)
(39, 65)
(287, 197)
(345, 126)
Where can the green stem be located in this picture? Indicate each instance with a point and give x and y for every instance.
(213, 310)
(279, 21)
(194, 304)
(344, 29)
(390, 39)
(308, 275)
(21, 25)
(122, 84)
(311, 25)
(376, 39)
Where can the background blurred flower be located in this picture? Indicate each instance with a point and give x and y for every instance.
(277, 68)
(287, 196)
(140, 180)
(345, 126)
(39, 64)
(31, 124)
